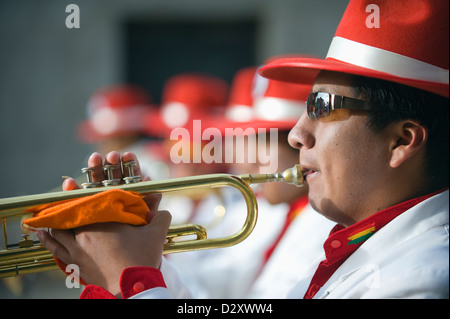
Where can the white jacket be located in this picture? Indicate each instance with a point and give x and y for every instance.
(301, 246)
(407, 258)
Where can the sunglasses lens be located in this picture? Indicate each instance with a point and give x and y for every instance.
(318, 105)
(310, 105)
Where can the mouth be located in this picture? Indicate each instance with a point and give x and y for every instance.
(309, 173)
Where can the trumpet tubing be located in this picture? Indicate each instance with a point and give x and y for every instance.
(28, 256)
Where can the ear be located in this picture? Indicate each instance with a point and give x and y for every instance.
(409, 138)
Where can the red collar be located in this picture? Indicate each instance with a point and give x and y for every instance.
(343, 241)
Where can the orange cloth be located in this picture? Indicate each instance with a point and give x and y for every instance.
(113, 205)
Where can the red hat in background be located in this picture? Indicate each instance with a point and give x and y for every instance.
(185, 98)
(256, 102)
(115, 111)
(281, 105)
(244, 87)
(410, 45)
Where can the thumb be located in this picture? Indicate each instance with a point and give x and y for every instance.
(160, 219)
(159, 223)
(155, 232)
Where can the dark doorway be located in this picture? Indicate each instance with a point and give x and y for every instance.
(156, 50)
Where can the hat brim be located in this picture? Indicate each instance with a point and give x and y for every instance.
(305, 70)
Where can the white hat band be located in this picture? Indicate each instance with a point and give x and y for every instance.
(385, 61)
(239, 113)
(108, 120)
(175, 114)
(277, 109)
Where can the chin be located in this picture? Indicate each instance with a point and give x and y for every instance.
(273, 201)
(329, 210)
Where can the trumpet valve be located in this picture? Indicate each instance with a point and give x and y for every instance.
(26, 241)
(131, 178)
(111, 181)
(89, 184)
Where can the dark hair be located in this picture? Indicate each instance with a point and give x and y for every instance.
(392, 102)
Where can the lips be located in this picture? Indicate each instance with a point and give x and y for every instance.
(309, 172)
(306, 171)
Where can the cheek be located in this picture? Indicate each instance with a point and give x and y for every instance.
(339, 167)
(346, 160)
(354, 168)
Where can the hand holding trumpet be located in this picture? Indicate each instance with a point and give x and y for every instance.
(92, 247)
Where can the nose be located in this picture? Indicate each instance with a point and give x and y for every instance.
(301, 134)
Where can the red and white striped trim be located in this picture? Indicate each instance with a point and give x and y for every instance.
(175, 114)
(106, 120)
(276, 109)
(385, 61)
(239, 113)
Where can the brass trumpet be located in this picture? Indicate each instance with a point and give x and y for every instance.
(29, 256)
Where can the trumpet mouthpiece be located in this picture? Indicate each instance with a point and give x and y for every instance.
(292, 175)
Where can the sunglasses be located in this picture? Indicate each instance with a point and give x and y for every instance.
(320, 104)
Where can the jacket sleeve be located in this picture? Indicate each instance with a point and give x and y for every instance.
(135, 282)
(174, 281)
(145, 283)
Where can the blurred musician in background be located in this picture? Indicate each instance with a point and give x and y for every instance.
(116, 120)
(187, 97)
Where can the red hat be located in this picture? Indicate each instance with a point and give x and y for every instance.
(240, 102)
(256, 102)
(281, 105)
(188, 97)
(409, 45)
(115, 111)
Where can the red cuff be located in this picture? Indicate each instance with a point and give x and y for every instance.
(137, 279)
(133, 280)
(96, 292)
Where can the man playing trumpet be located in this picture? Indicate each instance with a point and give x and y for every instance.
(374, 148)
